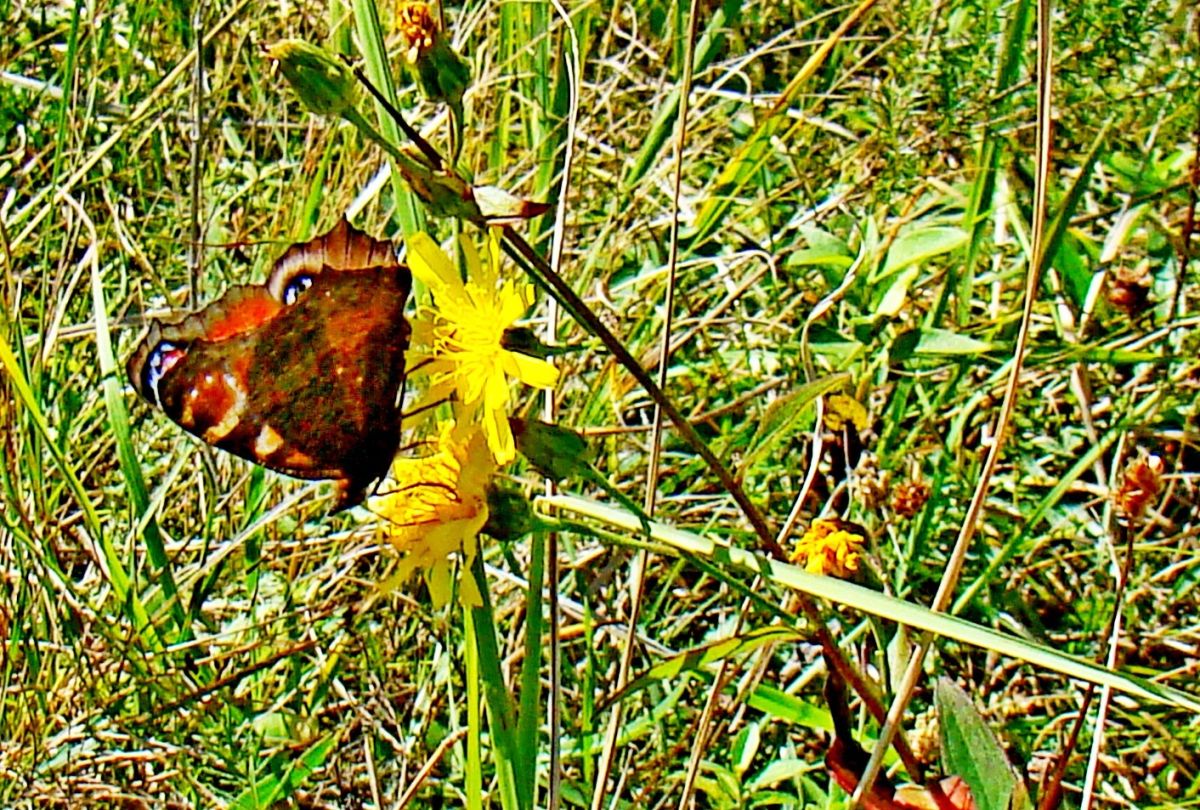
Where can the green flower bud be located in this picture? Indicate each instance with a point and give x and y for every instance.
(556, 452)
(510, 516)
(324, 84)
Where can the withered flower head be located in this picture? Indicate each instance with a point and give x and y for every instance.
(1129, 290)
(416, 24)
(909, 497)
(442, 74)
(1140, 485)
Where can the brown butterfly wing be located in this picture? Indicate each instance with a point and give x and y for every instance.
(308, 387)
(327, 373)
(344, 247)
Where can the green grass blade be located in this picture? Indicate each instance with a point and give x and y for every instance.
(274, 789)
(127, 457)
(1079, 186)
(370, 40)
(884, 606)
(507, 44)
(750, 158)
(697, 658)
(975, 219)
(707, 49)
(117, 575)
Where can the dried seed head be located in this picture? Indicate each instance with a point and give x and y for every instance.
(870, 483)
(1140, 485)
(1129, 290)
(909, 497)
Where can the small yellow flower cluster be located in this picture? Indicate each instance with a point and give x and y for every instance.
(831, 547)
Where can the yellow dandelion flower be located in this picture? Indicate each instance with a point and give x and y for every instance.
(831, 547)
(465, 333)
(436, 507)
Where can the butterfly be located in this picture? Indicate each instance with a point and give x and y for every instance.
(301, 374)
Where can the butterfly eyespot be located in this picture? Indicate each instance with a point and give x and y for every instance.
(162, 359)
(296, 287)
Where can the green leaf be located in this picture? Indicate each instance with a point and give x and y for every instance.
(273, 789)
(1072, 263)
(971, 750)
(893, 300)
(720, 787)
(782, 416)
(745, 746)
(937, 343)
(1057, 228)
(824, 250)
(919, 245)
(789, 708)
(780, 705)
(780, 771)
(823, 244)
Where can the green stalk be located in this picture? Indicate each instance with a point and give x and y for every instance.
(501, 722)
(474, 776)
(528, 715)
(370, 41)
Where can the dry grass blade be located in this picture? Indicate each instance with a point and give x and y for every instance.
(637, 571)
(1037, 257)
(549, 413)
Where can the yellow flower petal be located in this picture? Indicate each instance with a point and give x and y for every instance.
(499, 436)
(533, 370)
(477, 271)
(494, 250)
(432, 267)
(440, 581)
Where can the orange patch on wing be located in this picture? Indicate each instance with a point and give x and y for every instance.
(244, 316)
